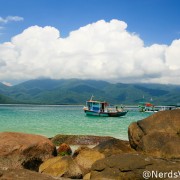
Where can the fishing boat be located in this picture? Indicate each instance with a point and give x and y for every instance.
(147, 107)
(102, 108)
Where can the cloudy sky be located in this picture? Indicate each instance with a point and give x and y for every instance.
(114, 40)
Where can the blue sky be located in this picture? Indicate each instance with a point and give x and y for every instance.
(155, 21)
(114, 40)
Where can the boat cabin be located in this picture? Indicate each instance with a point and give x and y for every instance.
(96, 106)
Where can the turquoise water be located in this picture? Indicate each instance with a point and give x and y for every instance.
(52, 120)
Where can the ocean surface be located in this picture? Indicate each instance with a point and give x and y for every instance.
(71, 120)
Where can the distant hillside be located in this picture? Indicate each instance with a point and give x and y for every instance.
(3, 98)
(7, 100)
(75, 91)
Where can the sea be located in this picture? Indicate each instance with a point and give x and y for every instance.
(50, 120)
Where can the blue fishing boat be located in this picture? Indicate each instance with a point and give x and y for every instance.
(102, 108)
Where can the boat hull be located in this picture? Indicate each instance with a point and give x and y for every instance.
(105, 114)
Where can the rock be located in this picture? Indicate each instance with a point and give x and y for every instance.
(87, 176)
(80, 148)
(113, 146)
(64, 149)
(130, 166)
(48, 163)
(162, 121)
(124, 162)
(157, 135)
(79, 139)
(19, 150)
(160, 144)
(115, 166)
(135, 134)
(86, 157)
(24, 174)
(61, 167)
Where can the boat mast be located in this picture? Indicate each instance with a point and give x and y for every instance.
(91, 97)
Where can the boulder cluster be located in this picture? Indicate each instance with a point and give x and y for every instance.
(154, 145)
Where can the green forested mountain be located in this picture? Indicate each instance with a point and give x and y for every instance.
(75, 91)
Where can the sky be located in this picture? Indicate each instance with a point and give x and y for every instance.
(128, 41)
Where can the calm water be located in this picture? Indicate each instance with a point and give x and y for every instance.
(52, 120)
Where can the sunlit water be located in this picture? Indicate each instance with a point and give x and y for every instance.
(52, 120)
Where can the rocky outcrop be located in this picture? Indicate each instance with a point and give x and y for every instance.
(157, 135)
(113, 146)
(64, 149)
(19, 150)
(85, 157)
(79, 139)
(61, 167)
(130, 166)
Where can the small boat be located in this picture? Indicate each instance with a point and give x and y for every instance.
(147, 107)
(102, 108)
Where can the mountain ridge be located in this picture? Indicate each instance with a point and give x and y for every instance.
(77, 91)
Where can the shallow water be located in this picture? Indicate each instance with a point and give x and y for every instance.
(52, 120)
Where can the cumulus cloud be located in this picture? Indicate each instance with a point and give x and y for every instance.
(11, 18)
(101, 50)
(2, 63)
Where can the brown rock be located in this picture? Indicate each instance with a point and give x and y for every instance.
(124, 162)
(64, 149)
(87, 176)
(86, 157)
(135, 135)
(130, 166)
(19, 150)
(116, 166)
(160, 144)
(162, 121)
(80, 148)
(78, 139)
(24, 174)
(48, 163)
(157, 135)
(61, 167)
(113, 146)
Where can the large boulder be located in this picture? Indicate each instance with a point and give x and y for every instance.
(19, 150)
(157, 135)
(85, 157)
(78, 139)
(131, 166)
(61, 167)
(113, 146)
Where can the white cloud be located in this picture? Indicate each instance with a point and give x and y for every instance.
(101, 50)
(11, 18)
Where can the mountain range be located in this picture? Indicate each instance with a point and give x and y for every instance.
(76, 91)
